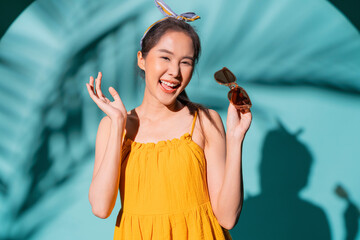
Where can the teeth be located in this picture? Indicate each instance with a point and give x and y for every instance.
(169, 84)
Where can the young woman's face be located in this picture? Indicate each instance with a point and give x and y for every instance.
(168, 66)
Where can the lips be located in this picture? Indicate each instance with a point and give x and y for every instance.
(169, 81)
(166, 88)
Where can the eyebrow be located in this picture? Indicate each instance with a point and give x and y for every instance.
(167, 51)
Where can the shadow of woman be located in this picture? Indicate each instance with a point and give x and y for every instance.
(278, 212)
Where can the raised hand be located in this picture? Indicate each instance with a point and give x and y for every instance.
(238, 122)
(115, 109)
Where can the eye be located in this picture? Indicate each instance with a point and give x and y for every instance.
(187, 63)
(166, 58)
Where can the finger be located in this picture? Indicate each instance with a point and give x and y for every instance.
(107, 100)
(246, 114)
(117, 98)
(96, 84)
(104, 107)
(114, 94)
(100, 103)
(246, 110)
(91, 92)
(91, 84)
(231, 108)
(242, 112)
(98, 87)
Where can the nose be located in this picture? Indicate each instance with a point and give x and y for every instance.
(174, 70)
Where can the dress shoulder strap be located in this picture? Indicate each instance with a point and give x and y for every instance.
(124, 134)
(193, 124)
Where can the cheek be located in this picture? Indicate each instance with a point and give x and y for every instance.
(187, 74)
(157, 68)
(188, 71)
(153, 71)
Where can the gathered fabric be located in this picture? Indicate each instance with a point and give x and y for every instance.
(164, 192)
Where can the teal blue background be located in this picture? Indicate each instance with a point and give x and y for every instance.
(298, 60)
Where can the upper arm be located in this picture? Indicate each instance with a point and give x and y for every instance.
(215, 154)
(102, 138)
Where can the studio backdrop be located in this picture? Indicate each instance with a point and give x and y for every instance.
(299, 61)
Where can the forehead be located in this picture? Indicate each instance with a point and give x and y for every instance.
(176, 42)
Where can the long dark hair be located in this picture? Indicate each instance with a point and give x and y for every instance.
(151, 39)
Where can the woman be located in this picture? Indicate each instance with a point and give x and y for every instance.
(171, 187)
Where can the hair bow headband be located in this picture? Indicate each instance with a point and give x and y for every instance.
(166, 10)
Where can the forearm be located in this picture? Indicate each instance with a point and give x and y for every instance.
(104, 186)
(231, 195)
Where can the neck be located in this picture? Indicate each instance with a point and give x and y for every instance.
(152, 108)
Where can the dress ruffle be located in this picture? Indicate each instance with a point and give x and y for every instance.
(163, 143)
(193, 224)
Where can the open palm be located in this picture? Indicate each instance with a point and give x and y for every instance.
(115, 109)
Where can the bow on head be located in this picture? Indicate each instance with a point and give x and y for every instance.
(167, 12)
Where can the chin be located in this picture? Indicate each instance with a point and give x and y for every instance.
(169, 101)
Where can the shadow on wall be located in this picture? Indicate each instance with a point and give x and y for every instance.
(350, 9)
(9, 11)
(54, 164)
(278, 212)
(351, 214)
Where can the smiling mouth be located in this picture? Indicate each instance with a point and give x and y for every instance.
(168, 85)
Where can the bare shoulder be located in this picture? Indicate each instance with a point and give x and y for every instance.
(132, 123)
(106, 120)
(212, 127)
(105, 123)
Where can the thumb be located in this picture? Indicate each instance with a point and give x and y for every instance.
(114, 93)
(231, 108)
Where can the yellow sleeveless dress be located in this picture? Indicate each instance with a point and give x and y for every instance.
(164, 193)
